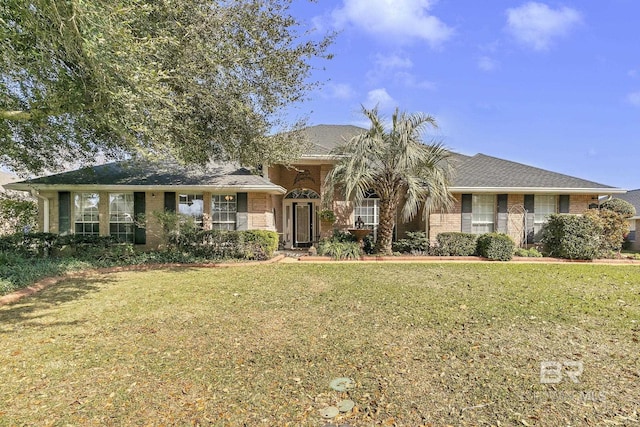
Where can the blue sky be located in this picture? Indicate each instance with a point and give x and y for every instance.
(551, 84)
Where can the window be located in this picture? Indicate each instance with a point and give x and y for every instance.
(86, 218)
(223, 211)
(544, 206)
(121, 216)
(483, 213)
(368, 211)
(302, 193)
(192, 205)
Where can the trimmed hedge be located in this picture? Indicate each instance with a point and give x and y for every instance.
(210, 244)
(496, 246)
(221, 244)
(456, 244)
(572, 237)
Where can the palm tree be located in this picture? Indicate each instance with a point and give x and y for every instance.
(397, 166)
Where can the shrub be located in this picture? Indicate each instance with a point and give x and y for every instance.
(619, 206)
(223, 244)
(456, 244)
(339, 250)
(415, 242)
(17, 214)
(496, 246)
(613, 226)
(342, 245)
(572, 237)
(530, 253)
(327, 215)
(266, 240)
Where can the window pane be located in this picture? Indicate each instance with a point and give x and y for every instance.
(121, 216)
(223, 211)
(483, 208)
(368, 211)
(86, 215)
(192, 205)
(544, 205)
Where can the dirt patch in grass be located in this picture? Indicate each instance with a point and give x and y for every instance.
(428, 344)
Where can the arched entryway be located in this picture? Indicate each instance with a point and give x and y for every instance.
(300, 219)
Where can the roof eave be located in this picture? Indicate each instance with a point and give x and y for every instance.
(270, 189)
(317, 158)
(537, 190)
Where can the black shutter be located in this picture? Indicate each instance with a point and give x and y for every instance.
(242, 203)
(563, 203)
(170, 201)
(503, 215)
(139, 209)
(467, 215)
(529, 206)
(64, 212)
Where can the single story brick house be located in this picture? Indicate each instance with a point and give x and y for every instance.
(633, 197)
(491, 194)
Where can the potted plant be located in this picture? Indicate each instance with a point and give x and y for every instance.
(327, 215)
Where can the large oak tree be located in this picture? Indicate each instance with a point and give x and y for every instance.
(196, 79)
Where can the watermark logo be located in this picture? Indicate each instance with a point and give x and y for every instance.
(552, 372)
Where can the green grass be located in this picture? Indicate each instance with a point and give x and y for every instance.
(427, 344)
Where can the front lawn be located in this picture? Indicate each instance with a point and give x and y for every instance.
(426, 344)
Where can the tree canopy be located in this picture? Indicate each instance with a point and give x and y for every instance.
(196, 79)
(397, 166)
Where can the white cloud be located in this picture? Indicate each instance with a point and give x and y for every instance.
(379, 98)
(394, 20)
(486, 63)
(393, 68)
(337, 91)
(537, 25)
(409, 80)
(634, 98)
(393, 61)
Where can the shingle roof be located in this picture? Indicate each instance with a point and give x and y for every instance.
(152, 174)
(633, 197)
(324, 138)
(491, 172)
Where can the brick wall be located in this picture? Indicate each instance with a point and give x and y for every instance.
(260, 212)
(444, 222)
(154, 202)
(578, 203)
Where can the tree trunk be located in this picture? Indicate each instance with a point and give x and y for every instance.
(387, 221)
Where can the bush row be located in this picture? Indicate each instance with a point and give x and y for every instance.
(494, 246)
(218, 244)
(210, 244)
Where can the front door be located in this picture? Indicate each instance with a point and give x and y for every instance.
(302, 224)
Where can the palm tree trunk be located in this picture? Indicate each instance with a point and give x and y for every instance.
(387, 220)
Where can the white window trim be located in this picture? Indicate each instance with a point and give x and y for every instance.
(129, 237)
(82, 220)
(232, 202)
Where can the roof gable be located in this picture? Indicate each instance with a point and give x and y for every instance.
(324, 138)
